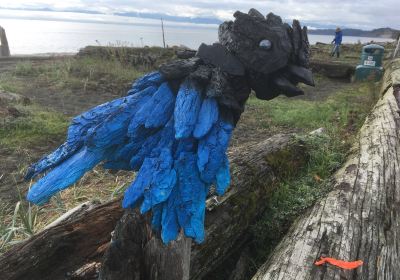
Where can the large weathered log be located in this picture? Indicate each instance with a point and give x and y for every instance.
(360, 217)
(4, 48)
(75, 247)
(57, 252)
(254, 174)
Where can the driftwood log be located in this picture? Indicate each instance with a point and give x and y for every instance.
(336, 70)
(360, 217)
(74, 249)
(4, 48)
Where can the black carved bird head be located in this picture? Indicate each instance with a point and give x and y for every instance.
(274, 54)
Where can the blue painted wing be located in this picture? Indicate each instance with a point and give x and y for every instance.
(176, 143)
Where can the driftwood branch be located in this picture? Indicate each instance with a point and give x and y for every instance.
(360, 217)
(75, 248)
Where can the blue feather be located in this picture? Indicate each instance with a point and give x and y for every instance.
(191, 197)
(169, 219)
(212, 149)
(123, 153)
(151, 79)
(84, 125)
(207, 117)
(145, 150)
(64, 175)
(153, 144)
(61, 153)
(163, 107)
(146, 109)
(162, 182)
(135, 191)
(187, 107)
(113, 129)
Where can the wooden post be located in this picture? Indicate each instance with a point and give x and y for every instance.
(163, 35)
(4, 48)
(168, 262)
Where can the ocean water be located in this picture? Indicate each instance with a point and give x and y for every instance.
(34, 36)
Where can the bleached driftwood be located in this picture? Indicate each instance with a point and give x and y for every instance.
(360, 217)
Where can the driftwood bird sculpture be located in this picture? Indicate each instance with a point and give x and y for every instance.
(174, 125)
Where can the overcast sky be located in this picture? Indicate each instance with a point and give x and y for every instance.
(365, 14)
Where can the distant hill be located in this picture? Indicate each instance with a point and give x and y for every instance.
(376, 33)
(171, 18)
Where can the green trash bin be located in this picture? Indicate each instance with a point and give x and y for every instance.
(370, 67)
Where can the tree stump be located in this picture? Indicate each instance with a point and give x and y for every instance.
(360, 217)
(4, 49)
(135, 252)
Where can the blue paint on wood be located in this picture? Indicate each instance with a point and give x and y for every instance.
(187, 107)
(148, 80)
(176, 143)
(64, 175)
(207, 117)
(212, 149)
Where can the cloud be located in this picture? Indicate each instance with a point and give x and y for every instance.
(356, 13)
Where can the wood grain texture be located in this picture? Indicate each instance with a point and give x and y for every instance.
(57, 252)
(76, 246)
(360, 217)
(228, 219)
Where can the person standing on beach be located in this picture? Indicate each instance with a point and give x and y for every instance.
(337, 41)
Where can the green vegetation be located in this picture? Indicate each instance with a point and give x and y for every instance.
(72, 73)
(22, 225)
(347, 107)
(293, 195)
(34, 127)
(341, 115)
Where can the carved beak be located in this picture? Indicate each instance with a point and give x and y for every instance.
(287, 87)
(302, 74)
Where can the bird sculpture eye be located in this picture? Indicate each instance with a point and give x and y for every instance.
(265, 44)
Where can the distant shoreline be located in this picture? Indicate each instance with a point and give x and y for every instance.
(383, 33)
(47, 55)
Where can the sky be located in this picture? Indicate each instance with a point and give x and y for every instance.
(363, 14)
